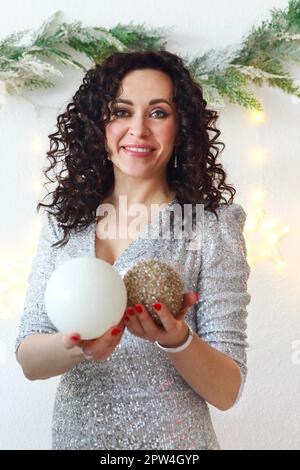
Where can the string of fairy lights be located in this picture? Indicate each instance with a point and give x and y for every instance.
(262, 231)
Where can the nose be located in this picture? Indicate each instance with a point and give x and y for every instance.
(138, 127)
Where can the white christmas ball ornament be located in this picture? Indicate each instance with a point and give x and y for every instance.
(85, 295)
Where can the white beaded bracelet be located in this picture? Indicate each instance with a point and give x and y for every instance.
(182, 346)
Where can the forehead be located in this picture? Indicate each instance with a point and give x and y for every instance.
(146, 84)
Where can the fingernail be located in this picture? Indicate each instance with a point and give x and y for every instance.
(130, 311)
(88, 356)
(157, 306)
(196, 296)
(138, 308)
(126, 318)
(75, 338)
(115, 331)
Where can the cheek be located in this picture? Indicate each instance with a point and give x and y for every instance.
(167, 134)
(113, 133)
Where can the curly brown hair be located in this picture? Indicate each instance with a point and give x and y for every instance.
(79, 146)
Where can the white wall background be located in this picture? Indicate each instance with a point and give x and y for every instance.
(268, 414)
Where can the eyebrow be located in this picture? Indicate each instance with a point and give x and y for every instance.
(155, 101)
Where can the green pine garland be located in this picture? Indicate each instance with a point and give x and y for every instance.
(261, 58)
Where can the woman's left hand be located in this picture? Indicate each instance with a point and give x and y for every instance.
(174, 330)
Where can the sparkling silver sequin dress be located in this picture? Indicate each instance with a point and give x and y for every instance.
(136, 399)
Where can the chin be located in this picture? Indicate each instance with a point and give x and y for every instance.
(135, 169)
(137, 173)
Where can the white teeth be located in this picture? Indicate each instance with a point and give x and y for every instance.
(135, 149)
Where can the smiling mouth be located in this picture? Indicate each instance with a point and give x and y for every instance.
(138, 153)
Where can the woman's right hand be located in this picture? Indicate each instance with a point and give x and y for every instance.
(97, 349)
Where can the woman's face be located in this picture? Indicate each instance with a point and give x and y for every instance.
(139, 122)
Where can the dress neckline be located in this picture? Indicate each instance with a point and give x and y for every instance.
(132, 244)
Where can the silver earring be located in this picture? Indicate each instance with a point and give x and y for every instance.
(105, 160)
(175, 160)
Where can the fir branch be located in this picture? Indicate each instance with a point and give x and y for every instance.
(33, 83)
(139, 38)
(289, 18)
(232, 84)
(95, 43)
(213, 61)
(58, 55)
(260, 58)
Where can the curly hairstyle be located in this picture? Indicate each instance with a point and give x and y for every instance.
(78, 153)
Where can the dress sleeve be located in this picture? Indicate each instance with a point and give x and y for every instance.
(34, 318)
(222, 286)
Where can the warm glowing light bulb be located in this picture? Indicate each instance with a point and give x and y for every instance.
(273, 239)
(258, 155)
(263, 252)
(262, 236)
(280, 265)
(258, 195)
(250, 225)
(36, 143)
(268, 224)
(257, 117)
(13, 299)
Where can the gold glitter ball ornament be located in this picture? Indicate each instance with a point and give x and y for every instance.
(153, 281)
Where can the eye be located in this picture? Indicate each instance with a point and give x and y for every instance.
(162, 113)
(118, 113)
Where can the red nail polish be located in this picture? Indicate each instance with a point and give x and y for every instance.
(75, 338)
(196, 295)
(138, 308)
(157, 306)
(126, 318)
(130, 311)
(115, 331)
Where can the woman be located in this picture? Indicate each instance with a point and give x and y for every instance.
(140, 385)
